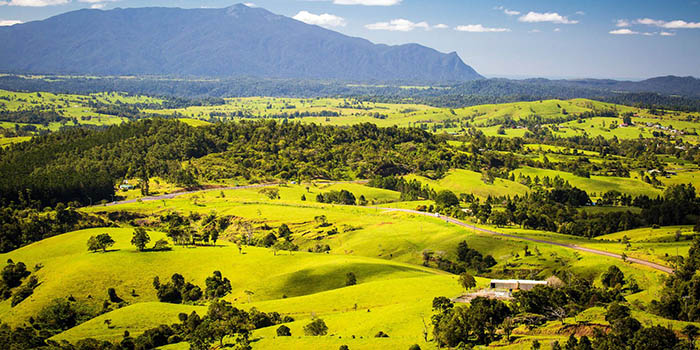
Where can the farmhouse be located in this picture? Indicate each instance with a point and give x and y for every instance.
(512, 285)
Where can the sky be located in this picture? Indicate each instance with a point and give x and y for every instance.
(619, 39)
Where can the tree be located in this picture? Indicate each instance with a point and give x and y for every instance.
(226, 320)
(284, 331)
(616, 311)
(691, 331)
(316, 328)
(467, 281)
(613, 277)
(140, 238)
(507, 326)
(101, 241)
(350, 279)
(446, 199)
(655, 337)
(284, 231)
(217, 286)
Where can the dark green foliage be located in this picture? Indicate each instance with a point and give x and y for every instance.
(11, 277)
(467, 281)
(381, 334)
(654, 338)
(23, 226)
(446, 199)
(613, 277)
(680, 298)
(410, 190)
(24, 291)
(467, 258)
(284, 232)
(113, 297)
(177, 290)
(60, 315)
(473, 324)
(284, 331)
(350, 279)
(100, 242)
(217, 286)
(316, 328)
(414, 347)
(140, 238)
(616, 311)
(337, 197)
(156, 147)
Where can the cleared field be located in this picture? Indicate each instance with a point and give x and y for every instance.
(69, 269)
(595, 184)
(648, 234)
(465, 181)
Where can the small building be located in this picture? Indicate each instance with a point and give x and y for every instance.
(512, 285)
(126, 187)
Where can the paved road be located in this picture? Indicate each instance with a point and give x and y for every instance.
(570, 246)
(448, 219)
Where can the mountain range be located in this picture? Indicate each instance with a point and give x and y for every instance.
(237, 41)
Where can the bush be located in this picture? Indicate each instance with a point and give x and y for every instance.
(284, 331)
(316, 328)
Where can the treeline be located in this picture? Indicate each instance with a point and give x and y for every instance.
(463, 94)
(556, 210)
(26, 224)
(31, 116)
(84, 165)
(410, 190)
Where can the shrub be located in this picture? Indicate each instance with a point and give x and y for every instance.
(316, 328)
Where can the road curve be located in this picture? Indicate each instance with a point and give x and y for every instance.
(653, 265)
(410, 211)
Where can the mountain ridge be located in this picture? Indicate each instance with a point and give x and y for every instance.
(208, 43)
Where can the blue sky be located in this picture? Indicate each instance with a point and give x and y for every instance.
(623, 39)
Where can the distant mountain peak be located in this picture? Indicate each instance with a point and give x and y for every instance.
(235, 41)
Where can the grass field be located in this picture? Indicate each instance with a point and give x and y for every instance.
(465, 181)
(595, 184)
(384, 249)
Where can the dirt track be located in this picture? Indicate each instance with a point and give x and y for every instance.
(570, 246)
(448, 219)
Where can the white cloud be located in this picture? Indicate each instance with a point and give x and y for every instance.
(507, 11)
(580, 13)
(535, 31)
(667, 34)
(34, 3)
(441, 26)
(676, 24)
(398, 25)
(478, 28)
(367, 2)
(250, 4)
(553, 17)
(323, 20)
(622, 23)
(557, 29)
(624, 31)
(9, 22)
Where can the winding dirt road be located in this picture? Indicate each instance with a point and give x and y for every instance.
(448, 219)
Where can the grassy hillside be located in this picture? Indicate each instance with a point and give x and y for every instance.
(595, 184)
(69, 269)
(466, 181)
